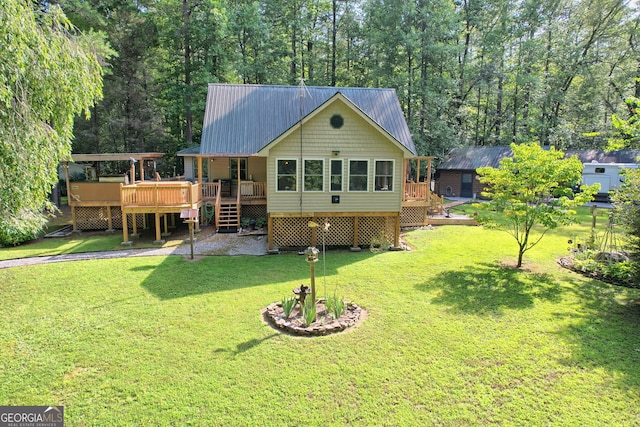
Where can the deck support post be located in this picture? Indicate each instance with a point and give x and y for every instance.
(356, 227)
(270, 232)
(158, 240)
(125, 230)
(134, 225)
(109, 220)
(166, 226)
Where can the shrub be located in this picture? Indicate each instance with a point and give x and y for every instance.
(20, 228)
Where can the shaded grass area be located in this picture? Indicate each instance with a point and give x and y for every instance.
(92, 241)
(454, 336)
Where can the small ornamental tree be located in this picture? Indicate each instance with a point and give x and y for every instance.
(534, 187)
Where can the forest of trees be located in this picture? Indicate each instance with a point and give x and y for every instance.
(467, 72)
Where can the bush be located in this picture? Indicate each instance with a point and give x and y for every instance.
(20, 228)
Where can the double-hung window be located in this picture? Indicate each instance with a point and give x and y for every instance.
(313, 175)
(286, 175)
(336, 175)
(384, 175)
(358, 175)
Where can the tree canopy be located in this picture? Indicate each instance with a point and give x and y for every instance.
(534, 187)
(482, 72)
(49, 73)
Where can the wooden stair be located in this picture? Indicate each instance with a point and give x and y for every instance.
(228, 217)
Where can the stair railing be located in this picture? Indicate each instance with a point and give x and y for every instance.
(217, 206)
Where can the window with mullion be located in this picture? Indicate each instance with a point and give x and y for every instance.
(286, 175)
(336, 175)
(359, 175)
(313, 175)
(384, 175)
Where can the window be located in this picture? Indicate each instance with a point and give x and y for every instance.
(336, 121)
(313, 175)
(233, 167)
(286, 174)
(336, 175)
(358, 175)
(205, 169)
(384, 175)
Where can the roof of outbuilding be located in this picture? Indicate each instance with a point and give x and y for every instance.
(472, 158)
(243, 119)
(599, 156)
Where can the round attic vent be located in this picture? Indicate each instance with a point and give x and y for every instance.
(336, 121)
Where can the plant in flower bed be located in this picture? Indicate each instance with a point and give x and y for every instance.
(308, 312)
(335, 306)
(288, 304)
(327, 315)
(612, 267)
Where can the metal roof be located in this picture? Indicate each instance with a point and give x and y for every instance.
(243, 119)
(472, 158)
(599, 156)
(105, 157)
(189, 151)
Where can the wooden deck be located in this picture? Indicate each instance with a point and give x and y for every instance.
(159, 198)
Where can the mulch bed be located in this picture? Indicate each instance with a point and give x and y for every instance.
(567, 262)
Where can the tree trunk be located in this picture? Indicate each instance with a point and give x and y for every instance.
(188, 131)
(334, 27)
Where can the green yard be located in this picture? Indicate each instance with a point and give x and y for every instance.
(454, 336)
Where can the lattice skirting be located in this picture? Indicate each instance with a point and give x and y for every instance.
(295, 232)
(254, 211)
(96, 218)
(413, 215)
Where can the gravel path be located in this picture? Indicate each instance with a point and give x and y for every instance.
(216, 244)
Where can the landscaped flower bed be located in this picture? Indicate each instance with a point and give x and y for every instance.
(325, 323)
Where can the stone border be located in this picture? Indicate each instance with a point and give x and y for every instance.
(325, 325)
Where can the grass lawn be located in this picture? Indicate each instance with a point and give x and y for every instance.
(454, 336)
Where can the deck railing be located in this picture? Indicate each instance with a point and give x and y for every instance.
(416, 191)
(253, 190)
(156, 194)
(419, 192)
(210, 189)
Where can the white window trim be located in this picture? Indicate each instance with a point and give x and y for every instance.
(393, 175)
(349, 175)
(304, 175)
(297, 175)
(341, 175)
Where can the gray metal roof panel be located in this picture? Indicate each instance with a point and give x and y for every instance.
(620, 156)
(243, 119)
(472, 158)
(189, 151)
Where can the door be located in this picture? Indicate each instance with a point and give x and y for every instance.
(466, 187)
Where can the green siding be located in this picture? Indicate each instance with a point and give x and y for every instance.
(356, 140)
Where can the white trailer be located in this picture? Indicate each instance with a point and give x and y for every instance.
(608, 175)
